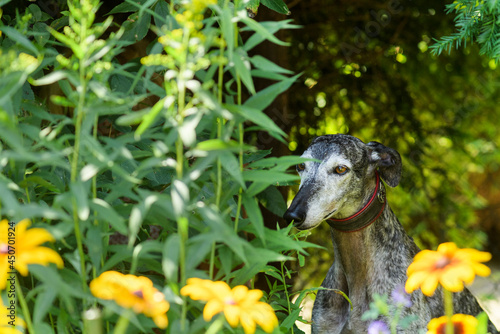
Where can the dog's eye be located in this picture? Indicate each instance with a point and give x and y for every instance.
(301, 167)
(341, 169)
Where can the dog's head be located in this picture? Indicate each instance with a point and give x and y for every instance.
(336, 186)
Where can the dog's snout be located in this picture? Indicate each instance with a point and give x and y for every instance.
(296, 215)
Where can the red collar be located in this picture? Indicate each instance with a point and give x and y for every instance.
(366, 216)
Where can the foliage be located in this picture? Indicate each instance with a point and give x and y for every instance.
(385, 85)
(476, 21)
(140, 165)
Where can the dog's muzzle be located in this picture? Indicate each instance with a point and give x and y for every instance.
(297, 211)
(297, 216)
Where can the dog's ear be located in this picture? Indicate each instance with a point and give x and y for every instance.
(388, 162)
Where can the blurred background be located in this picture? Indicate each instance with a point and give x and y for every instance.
(368, 72)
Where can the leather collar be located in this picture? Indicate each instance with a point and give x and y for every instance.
(367, 215)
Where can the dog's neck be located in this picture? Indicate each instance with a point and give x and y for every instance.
(356, 251)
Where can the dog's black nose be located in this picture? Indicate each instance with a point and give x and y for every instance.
(297, 216)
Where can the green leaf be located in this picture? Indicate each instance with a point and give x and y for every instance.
(271, 27)
(261, 31)
(265, 97)
(125, 7)
(138, 214)
(231, 164)
(170, 258)
(149, 118)
(50, 78)
(93, 241)
(4, 2)
(256, 116)
(162, 10)
(19, 38)
(290, 319)
(280, 163)
(240, 61)
(253, 7)
(80, 195)
(268, 177)
(227, 28)
(223, 233)
(273, 200)
(37, 180)
(482, 326)
(267, 65)
(136, 27)
(253, 211)
(276, 5)
(218, 144)
(197, 250)
(44, 301)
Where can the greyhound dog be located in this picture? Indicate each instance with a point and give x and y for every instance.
(372, 250)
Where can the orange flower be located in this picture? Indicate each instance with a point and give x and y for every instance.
(134, 292)
(239, 305)
(462, 324)
(20, 247)
(449, 266)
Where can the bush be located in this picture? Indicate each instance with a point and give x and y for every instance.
(139, 171)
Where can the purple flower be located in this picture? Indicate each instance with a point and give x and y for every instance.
(378, 327)
(400, 297)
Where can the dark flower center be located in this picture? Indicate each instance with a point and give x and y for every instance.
(138, 293)
(458, 328)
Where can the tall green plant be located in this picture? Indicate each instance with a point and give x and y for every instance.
(178, 164)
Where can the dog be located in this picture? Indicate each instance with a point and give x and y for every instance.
(372, 250)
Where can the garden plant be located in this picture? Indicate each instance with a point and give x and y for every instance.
(139, 177)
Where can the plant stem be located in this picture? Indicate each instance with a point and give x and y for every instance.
(79, 111)
(240, 129)
(448, 310)
(395, 320)
(286, 289)
(216, 326)
(24, 307)
(212, 262)
(122, 323)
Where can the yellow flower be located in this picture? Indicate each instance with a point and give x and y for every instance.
(134, 292)
(449, 266)
(462, 324)
(239, 305)
(20, 247)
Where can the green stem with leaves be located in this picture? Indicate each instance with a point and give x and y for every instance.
(79, 115)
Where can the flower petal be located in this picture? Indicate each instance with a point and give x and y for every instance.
(414, 281)
(247, 323)
(33, 238)
(213, 307)
(38, 255)
(232, 314)
(4, 269)
(430, 284)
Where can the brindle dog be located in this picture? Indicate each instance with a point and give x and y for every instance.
(372, 250)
